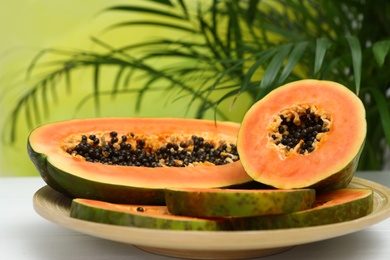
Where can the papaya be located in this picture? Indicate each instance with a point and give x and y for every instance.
(141, 216)
(132, 160)
(330, 207)
(215, 202)
(304, 134)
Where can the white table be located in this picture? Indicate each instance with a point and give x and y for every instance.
(26, 235)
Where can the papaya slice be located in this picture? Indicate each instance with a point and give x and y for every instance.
(230, 202)
(330, 207)
(132, 160)
(305, 134)
(140, 216)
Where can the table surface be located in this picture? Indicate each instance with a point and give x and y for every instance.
(26, 235)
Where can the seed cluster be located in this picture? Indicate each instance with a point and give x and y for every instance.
(120, 151)
(300, 130)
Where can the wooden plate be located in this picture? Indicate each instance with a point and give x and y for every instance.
(55, 207)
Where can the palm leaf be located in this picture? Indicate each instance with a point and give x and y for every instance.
(184, 8)
(321, 48)
(273, 68)
(118, 78)
(384, 112)
(293, 60)
(172, 26)
(356, 60)
(164, 2)
(261, 58)
(381, 49)
(145, 10)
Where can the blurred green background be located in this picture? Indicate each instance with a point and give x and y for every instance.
(27, 27)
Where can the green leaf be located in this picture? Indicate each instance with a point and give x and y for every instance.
(292, 61)
(184, 8)
(226, 72)
(139, 9)
(212, 40)
(44, 98)
(118, 78)
(28, 110)
(35, 107)
(232, 93)
(262, 57)
(327, 70)
(165, 2)
(173, 26)
(356, 53)
(321, 48)
(235, 34)
(284, 32)
(34, 62)
(252, 10)
(67, 81)
(384, 111)
(96, 88)
(381, 49)
(273, 68)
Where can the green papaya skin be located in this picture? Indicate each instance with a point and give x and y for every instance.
(340, 179)
(228, 202)
(141, 216)
(64, 183)
(332, 207)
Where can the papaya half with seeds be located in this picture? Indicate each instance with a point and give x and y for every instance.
(330, 207)
(132, 160)
(141, 216)
(236, 203)
(305, 134)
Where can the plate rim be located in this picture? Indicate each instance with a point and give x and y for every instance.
(212, 240)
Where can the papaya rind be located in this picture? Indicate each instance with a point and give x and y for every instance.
(340, 179)
(77, 187)
(322, 215)
(81, 209)
(228, 202)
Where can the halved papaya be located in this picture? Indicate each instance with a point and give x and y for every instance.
(305, 134)
(132, 160)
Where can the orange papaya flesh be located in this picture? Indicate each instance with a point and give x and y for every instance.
(305, 134)
(205, 202)
(330, 207)
(141, 216)
(49, 148)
